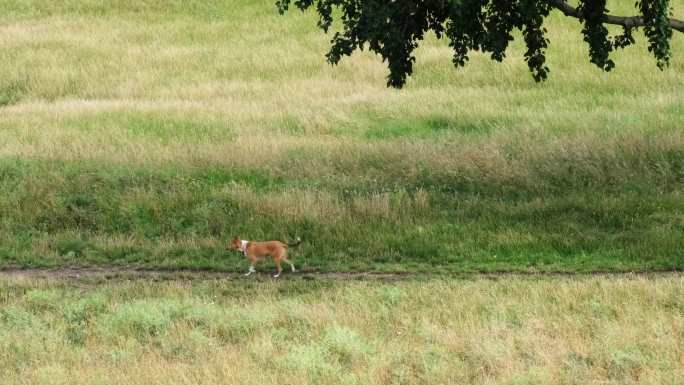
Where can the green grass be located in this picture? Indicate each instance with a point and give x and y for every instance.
(146, 134)
(612, 330)
(183, 218)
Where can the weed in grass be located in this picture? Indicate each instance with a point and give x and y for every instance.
(11, 92)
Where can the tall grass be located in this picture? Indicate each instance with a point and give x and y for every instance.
(508, 331)
(146, 133)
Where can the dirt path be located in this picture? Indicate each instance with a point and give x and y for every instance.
(113, 273)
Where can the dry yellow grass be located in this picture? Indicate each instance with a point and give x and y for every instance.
(258, 79)
(592, 330)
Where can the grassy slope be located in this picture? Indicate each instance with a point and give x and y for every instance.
(147, 133)
(506, 331)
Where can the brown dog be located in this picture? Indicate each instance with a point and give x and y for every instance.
(259, 250)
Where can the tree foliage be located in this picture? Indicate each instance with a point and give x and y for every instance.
(394, 28)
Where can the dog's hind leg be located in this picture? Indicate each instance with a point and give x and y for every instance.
(290, 263)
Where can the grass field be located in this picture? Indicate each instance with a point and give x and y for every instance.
(602, 330)
(146, 133)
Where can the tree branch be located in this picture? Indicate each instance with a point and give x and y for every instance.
(625, 21)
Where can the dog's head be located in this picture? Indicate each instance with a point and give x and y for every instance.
(236, 243)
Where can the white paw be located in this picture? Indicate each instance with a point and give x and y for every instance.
(276, 275)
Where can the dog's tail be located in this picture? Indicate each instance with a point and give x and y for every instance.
(297, 242)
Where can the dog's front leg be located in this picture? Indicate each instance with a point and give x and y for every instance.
(278, 269)
(251, 270)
